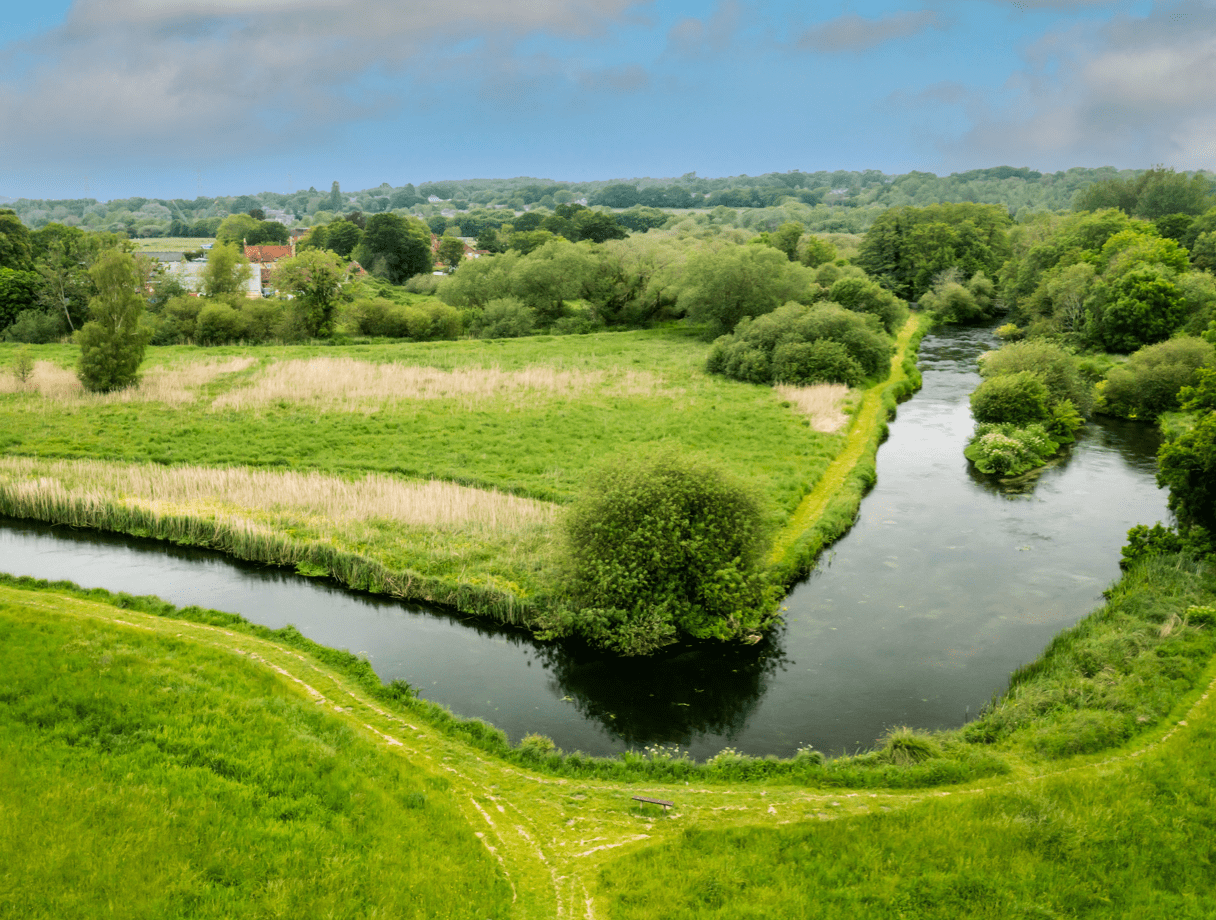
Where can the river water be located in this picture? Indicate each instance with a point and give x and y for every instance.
(947, 582)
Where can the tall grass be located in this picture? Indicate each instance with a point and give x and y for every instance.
(347, 384)
(35, 486)
(822, 403)
(480, 551)
(174, 385)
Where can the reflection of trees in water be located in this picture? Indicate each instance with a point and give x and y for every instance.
(669, 698)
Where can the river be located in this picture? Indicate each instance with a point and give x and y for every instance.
(946, 583)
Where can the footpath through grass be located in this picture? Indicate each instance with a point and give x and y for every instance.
(169, 766)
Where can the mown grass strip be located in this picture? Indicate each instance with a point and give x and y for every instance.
(829, 509)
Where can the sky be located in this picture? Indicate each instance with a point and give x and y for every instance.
(179, 98)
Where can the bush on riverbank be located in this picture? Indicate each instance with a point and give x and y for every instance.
(664, 547)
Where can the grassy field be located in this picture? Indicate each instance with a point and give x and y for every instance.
(156, 762)
(512, 426)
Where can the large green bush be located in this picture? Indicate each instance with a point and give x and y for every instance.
(1017, 399)
(854, 347)
(661, 547)
(1148, 383)
(1055, 367)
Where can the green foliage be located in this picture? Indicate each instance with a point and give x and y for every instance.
(817, 251)
(451, 252)
(749, 354)
(664, 546)
(18, 293)
(394, 247)
(22, 367)
(1153, 194)
(1150, 381)
(721, 286)
(315, 278)
(16, 253)
(1187, 466)
(906, 247)
(1141, 307)
(506, 318)
(218, 323)
(1144, 542)
(822, 361)
(34, 327)
(112, 342)
(865, 296)
(1051, 364)
(227, 270)
(1004, 449)
(1017, 399)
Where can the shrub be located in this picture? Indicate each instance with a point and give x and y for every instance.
(1007, 450)
(34, 327)
(865, 296)
(1148, 383)
(1017, 399)
(750, 353)
(1051, 364)
(218, 323)
(824, 361)
(23, 366)
(506, 318)
(664, 546)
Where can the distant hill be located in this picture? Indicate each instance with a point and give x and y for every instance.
(842, 201)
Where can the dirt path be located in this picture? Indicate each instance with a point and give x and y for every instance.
(550, 835)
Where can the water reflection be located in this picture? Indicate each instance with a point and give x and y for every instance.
(947, 582)
(673, 698)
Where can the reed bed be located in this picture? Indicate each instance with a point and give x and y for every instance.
(822, 403)
(173, 385)
(29, 482)
(346, 384)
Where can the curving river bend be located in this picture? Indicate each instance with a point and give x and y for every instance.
(946, 583)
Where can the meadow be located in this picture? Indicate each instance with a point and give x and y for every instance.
(255, 437)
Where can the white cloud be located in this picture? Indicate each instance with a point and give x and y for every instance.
(1131, 93)
(191, 78)
(851, 32)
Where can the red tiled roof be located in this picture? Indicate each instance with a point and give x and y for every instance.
(267, 253)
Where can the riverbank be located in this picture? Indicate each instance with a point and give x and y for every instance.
(561, 836)
(308, 457)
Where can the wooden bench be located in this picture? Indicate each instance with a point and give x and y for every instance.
(642, 798)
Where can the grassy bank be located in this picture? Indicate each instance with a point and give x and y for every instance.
(143, 775)
(183, 762)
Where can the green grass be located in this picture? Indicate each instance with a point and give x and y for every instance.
(540, 447)
(143, 775)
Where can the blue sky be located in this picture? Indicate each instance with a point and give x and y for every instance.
(176, 98)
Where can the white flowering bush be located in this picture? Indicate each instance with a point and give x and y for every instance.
(1007, 450)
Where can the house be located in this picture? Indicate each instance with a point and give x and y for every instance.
(263, 259)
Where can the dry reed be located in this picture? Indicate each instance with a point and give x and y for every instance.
(235, 494)
(345, 384)
(173, 385)
(820, 402)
